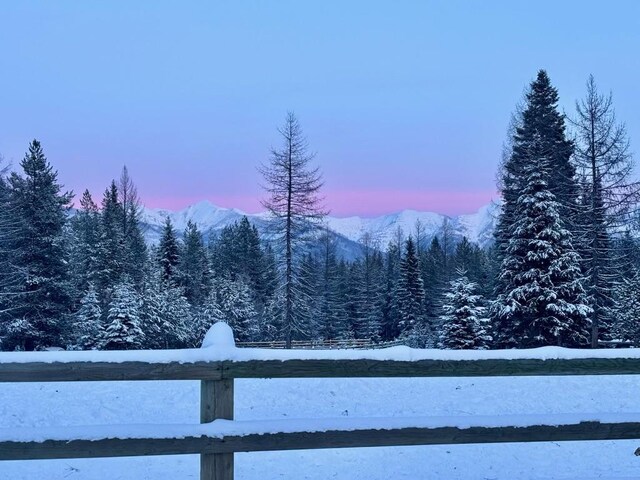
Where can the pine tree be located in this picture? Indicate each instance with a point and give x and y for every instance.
(123, 330)
(111, 254)
(87, 329)
(433, 278)
(330, 309)
(84, 250)
(233, 301)
(368, 292)
(165, 315)
(410, 291)
(544, 302)
(537, 127)
(294, 204)
(308, 281)
(464, 325)
(168, 253)
(626, 310)
(390, 318)
(42, 297)
(134, 245)
(193, 267)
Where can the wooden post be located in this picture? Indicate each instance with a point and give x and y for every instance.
(216, 401)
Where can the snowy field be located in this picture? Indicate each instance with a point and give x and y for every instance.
(29, 405)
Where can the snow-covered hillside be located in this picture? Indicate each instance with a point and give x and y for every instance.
(477, 227)
(95, 403)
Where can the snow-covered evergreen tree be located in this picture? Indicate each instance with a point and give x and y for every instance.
(134, 246)
(330, 311)
(87, 329)
(543, 300)
(111, 254)
(122, 330)
(537, 129)
(193, 266)
(166, 318)
(232, 300)
(369, 292)
(432, 267)
(10, 274)
(463, 320)
(168, 254)
(41, 299)
(84, 249)
(390, 320)
(410, 290)
(626, 310)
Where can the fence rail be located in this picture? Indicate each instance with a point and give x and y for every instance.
(219, 436)
(357, 344)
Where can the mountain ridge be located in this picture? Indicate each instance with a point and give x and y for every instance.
(477, 227)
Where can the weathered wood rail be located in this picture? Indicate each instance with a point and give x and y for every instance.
(218, 436)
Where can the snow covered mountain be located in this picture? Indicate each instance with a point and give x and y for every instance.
(477, 227)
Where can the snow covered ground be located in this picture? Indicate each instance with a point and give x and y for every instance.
(33, 405)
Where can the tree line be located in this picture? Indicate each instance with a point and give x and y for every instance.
(563, 269)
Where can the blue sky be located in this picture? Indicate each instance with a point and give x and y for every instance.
(405, 103)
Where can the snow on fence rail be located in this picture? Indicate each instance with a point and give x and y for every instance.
(218, 436)
(354, 344)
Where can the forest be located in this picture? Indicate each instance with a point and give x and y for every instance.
(562, 269)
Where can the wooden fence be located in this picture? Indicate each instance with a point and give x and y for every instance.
(356, 344)
(217, 441)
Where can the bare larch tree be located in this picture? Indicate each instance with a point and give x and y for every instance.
(609, 196)
(294, 201)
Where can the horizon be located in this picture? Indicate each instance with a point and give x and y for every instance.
(330, 214)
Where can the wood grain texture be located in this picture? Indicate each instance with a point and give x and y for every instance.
(216, 401)
(103, 371)
(94, 371)
(314, 440)
(428, 368)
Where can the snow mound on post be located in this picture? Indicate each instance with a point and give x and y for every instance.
(219, 335)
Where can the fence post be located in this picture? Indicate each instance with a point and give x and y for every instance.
(216, 401)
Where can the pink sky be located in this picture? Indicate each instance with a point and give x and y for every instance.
(353, 202)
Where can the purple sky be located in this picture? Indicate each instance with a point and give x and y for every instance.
(405, 103)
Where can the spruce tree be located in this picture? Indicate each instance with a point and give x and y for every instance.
(410, 291)
(390, 319)
(134, 245)
(233, 301)
(165, 315)
(168, 253)
(626, 310)
(87, 328)
(368, 293)
(122, 331)
(543, 300)
(330, 309)
(111, 253)
(463, 320)
(193, 266)
(42, 296)
(84, 251)
(537, 127)
(433, 278)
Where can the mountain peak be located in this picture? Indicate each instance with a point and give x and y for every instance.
(477, 227)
